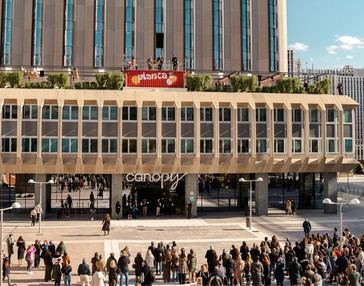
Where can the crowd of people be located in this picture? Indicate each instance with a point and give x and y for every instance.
(315, 260)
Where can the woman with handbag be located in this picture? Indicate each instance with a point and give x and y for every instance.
(106, 224)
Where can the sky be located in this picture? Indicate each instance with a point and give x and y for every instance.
(327, 33)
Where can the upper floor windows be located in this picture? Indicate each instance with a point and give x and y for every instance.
(99, 33)
(129, 30)
(261, 114)
(243, 114)
(149, 113)
(217, 35)
(348, 116)
(8, 144)
(68, 33)
(109, 113)
(50, 112)
(189, 34)
(273, 36)
(10, 111)
(159, 28)
(30, 112)
(6, 32)
(187, 114)
(70, 112)
(224, 114)
(331, 115)
(206, 114)
(315, 116)
(297, 115)
(246, 35)
(279, 115)
(37, 33)
(129, 113)
(168, 114)
(90, 112)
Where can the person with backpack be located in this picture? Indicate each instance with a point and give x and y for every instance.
(257, 271)
(66, 270)
(57, 272)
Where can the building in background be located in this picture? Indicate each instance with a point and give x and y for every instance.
(95, 35)
(294, 64)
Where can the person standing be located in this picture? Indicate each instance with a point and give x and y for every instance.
(192, 265)
(39, 211)
(33, 217)
(113, 273)
(288, 208)
(138, 265)
(306, 227)
(67, 269)
(182, 267)
(123, 266)
(29, 257)
(144, 206)
(57, 274)
(38, 250)
(6, 269)
(257, 270)
(118, 209)
(158, 208)
(189, 209)
(92, 198)
(98, 279)
(10, 246)
(84, 272)
(106, 224)
(47, 259)
(20, 243)
(92, 211)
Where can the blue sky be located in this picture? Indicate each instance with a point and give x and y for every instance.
(327, 33)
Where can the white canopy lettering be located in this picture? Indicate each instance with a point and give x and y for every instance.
(163, 178)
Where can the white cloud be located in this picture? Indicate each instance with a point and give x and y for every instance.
(349, 57)
(332, 50)
(300, 47)
(350, 42)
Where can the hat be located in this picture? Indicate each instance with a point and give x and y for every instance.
(112, 264)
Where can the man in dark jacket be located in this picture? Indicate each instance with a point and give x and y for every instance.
(108, 261)
(84, 272)
(57, 272)
(306, 227)
(294, 271)
(229, 265)
(211, 258)
(123, 265)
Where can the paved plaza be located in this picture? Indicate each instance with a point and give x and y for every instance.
(84, 237)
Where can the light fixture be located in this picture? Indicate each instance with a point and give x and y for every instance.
(31, 181)
(327, 201)
(16, 205)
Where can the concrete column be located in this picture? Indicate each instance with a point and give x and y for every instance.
(261, 195)
(253, 131)
(159, 128)
(139, 127)
(330, 191)
(197, 128)
(40, 188)
(80, 128)
(306, 129)
(39, 128)
(20, 103)
(216, 122)
(234, 131)
(191, 192)
(100, 105)
(116, 193)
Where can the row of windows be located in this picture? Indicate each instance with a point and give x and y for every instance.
(149, 113)
(149, 145)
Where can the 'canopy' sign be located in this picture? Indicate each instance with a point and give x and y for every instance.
(163, 178)
(154, 78)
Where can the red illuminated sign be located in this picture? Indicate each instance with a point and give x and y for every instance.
(154, 78)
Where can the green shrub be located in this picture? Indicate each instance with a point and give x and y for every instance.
(289, 85)
(15, 78)
(198, 82)
(102, 79)
(115, 81)
(320, 87)
(59, 80)
(37, 84)
(242, 83)
(3, 79)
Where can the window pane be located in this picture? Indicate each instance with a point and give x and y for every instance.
(133, 113)
(125, 146)
(125, 113)
(65, 146)
(54, 112)
(145, 113)
(74, 112)
(113, 113)
(348, 116)
(171, 146)
(348, 145)
(152, 113)
(164, 145)
(54, 145)
(94, 114)
(105, 146)
(113, 145)
(105, 113)
(14, 111)
(190, 114)
(26, 111)
(66, 113)
(152, 146)
(93, 145)
(46, 112)
(171, 114)
(85, 113)
(74, 146)
(144, 146)
(85, 145)
(133, 145)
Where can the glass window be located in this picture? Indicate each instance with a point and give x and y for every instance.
(206, 114)
(261, 146)
(159, 27)
(297, 145)
(189, 34)
(149, 113)
(49, 145)
(225, 146)
(68, 32)
(8, 144)
(206, 146)
(331, 145)
(149, 146)
(331, 115)
(70, 112)
(37, 33)
(109, 145)
(168, 145)
(314, 116)
(89, 145)
(245, 34)
(224, 114)
(50, 112)
(187, 114)
(243, 146)
(261, 115)
(29, 145)
(187, 146)
(90, 112)
(129, 146)
(217, 35)
(129, 113)
(168, 114)
(297, 115)
(273, 36)
(10, 111)
(99, 33)
(109, 113)
(315, 146)
(6, 33)
(348, 145)
(69, 145)
(243, 114)
(279, 145)
(129, 30)
(279, 115)
(30, 112)
(348, 116)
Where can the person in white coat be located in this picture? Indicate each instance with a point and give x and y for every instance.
(98, 279)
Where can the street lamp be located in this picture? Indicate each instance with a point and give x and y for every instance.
(242, 180)
(50, 182)
(15, 205)
(328, 201)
